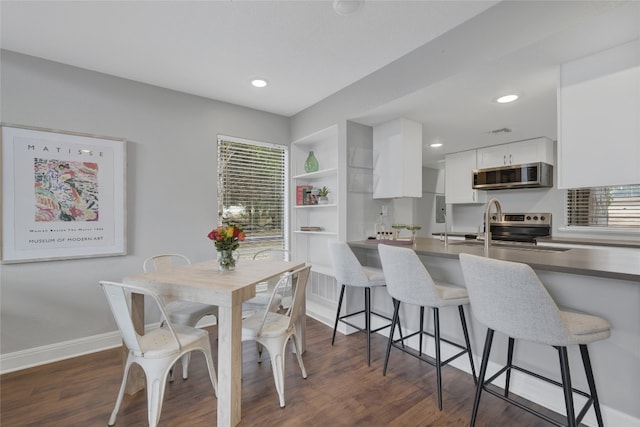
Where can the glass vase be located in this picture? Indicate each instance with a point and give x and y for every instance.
(227, 260)
(311, 164)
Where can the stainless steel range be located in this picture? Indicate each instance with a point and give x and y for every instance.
(520, 227)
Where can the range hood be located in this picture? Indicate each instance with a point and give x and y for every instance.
(531, 175)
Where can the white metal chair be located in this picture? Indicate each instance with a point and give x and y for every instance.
(264, 290)
(273, 330)
(156, 351)
(349, 272)
(509, 297)
(409, 282)
(187, 313)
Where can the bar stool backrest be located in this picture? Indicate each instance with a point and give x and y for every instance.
(347, 268)
(510, 298)
(407, 278)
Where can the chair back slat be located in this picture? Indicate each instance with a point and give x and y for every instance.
(510, 298)
(300, 279)
(164, 262)
(273, 254)
(118, 295)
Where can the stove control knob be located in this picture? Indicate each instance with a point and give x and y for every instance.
(542, 218)
(495, 218)
(535, 217)
(528, 217)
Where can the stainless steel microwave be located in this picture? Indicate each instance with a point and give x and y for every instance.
(532, 175)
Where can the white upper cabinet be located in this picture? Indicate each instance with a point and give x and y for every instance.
(458, 178)
(599, 119)
(516, 153)
(397, 159)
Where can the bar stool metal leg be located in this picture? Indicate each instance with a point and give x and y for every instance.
(465, 331)
(367, 321)
(592, 384)
(436, 327)
(566, 386)
(509, 365)
(483, 372)
(335, 326)
(394, 321)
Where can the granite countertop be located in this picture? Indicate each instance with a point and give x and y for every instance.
(623, 265)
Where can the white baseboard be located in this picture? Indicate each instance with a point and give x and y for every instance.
(60, 351)
(37, 356)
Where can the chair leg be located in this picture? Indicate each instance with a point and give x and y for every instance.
(335, 326)
(155, 395)
(509, 364)
(114, 413)
(586, 361)
(277, 366)
(394, 321)
(185, 365)
(296, 343)
(436, 328)
(483, 371)
(212, 370)
(465, 331)
(367, 321)
(566, 386)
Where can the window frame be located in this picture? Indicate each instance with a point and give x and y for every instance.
(250, 246)
(586, 219)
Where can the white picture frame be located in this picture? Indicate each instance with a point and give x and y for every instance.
(63, 195)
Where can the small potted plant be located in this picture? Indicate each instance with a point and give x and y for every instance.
(322, 195)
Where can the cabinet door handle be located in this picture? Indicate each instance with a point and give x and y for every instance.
(510, 161)
(504, 159)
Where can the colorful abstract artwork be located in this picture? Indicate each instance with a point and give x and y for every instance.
(65, 190)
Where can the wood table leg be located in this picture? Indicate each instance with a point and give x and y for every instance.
(229, 365)
(135, 380)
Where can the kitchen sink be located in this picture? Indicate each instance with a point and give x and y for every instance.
(510, 245)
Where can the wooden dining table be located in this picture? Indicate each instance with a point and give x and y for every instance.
(203, 282)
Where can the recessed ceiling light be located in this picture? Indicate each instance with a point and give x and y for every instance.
(507, 98)
(435, 145)
(259, 82)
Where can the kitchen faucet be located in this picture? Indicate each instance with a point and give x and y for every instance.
(487, 226)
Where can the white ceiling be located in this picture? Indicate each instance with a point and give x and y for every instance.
(308, 52)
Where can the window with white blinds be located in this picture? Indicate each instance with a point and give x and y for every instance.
(604, 207)
(252, 180)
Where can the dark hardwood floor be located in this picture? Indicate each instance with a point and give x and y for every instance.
(341, 390)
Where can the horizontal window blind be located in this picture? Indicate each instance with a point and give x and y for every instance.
(604, 207)
(251, 192)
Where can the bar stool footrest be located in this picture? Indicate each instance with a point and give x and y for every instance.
(489, 382)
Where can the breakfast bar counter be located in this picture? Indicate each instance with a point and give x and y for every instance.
(623, 264)
(601, 281)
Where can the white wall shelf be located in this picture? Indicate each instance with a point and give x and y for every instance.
(319, 174)
(329, 205)
(320, 233)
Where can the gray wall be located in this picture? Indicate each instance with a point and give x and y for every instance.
(171, 186)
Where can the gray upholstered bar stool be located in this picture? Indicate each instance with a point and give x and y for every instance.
(409, 282)
(509, 297)
(349, 272)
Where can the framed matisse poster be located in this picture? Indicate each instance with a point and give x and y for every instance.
(63, 195)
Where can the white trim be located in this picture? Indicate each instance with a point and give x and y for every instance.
(45, 354)
(42, 355)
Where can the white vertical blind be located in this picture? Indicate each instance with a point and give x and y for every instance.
(251, 191)
(604, 207)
